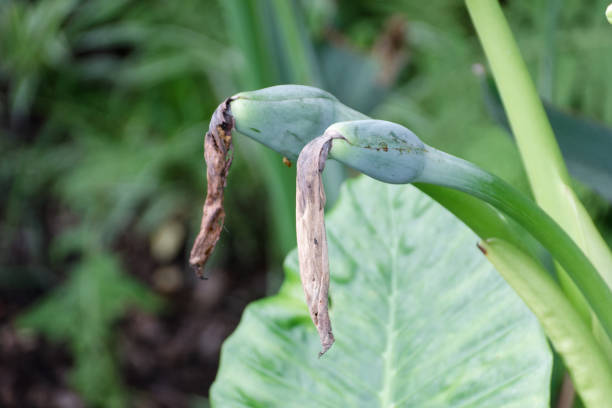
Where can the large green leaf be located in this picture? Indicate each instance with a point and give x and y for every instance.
(420, 319)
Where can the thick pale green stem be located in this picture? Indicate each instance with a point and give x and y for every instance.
(391, 153)
(534, 135)
(446, 170)
(542, 158)
(286, 118)
(586, 361)
(482, 218)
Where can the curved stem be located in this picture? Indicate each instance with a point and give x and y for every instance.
(561, 322)
(446, 170)
(484, 219)
(535, 139)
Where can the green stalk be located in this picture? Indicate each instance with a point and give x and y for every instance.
(299, 55)
(393, 154)
(534, 135)
(444, 169)
(248, 28)
(285, 118)
(482, 218)
(564, 327)
(542, 158)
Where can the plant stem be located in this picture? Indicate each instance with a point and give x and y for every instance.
(482, 218)
(391, 153)
(542, 158)
(446, 170)
(249, 30)
(299, 55)
(565, 328)
(534, 135)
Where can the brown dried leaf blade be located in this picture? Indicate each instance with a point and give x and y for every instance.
(218, 155)
(311, 237)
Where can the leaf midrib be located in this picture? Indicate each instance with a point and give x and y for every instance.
(386, 397)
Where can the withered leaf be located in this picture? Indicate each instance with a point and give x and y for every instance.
(311, 236)
(218, 155)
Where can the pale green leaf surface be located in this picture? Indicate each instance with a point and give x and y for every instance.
(420, 317)
(584, 358)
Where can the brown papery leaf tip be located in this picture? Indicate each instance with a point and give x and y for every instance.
(326, 343)
(311, 236)
(218, 153)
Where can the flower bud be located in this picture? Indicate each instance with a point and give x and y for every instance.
(383, 150)
(286, 117)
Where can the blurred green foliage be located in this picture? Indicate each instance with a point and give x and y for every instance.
(82, 312)
(103, 105)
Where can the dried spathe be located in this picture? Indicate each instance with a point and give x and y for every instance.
(311, 237)
(218, 156)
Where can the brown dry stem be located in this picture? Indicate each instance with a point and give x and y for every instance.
(311, 237)
(218, 155)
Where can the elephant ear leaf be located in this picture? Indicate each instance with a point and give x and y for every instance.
(421, 319)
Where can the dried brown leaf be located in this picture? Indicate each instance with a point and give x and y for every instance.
(218, 155)
(311, 237)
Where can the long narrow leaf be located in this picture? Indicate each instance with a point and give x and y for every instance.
(571, 337)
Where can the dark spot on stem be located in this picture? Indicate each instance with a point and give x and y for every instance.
(482, 249)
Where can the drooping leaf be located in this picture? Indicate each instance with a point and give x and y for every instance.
(420, 319)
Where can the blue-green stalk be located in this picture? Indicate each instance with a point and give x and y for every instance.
(391, 153)
(286, 117)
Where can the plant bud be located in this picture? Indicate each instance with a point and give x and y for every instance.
(286, 117)
(383, 150)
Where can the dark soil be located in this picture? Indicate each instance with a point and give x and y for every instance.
(166, 360)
